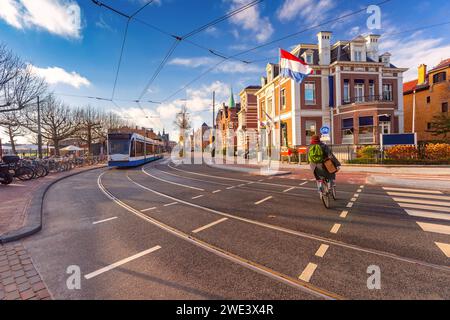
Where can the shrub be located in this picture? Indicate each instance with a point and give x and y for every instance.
(437, 151)
(368, 152)
(401, 152)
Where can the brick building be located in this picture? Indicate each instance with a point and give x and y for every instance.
(364, 88)
(426, 97)
(227, 123)
(247, 116)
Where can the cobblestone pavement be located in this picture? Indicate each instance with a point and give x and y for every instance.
(19, 279)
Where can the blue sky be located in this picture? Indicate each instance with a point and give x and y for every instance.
(75, 45)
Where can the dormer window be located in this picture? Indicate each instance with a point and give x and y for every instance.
(309, 58)
(358, 55)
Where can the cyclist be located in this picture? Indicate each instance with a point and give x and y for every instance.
(318, 152)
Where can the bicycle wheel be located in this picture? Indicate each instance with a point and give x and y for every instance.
(334, 192)
(325, 196)
(24, 173)
(39, 171)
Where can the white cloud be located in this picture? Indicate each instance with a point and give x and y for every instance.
(225, 67)
(410, 52)
(308, 10)
(56, 75)
(251, 20)
(60, 17)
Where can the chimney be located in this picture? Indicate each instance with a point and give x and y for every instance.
(372, 46)
(324, 43)
(422, 74)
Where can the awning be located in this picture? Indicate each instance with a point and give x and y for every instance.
(347, 123)
(384, 118)
(365, 121)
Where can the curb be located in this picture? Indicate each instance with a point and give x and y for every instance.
(35, 210)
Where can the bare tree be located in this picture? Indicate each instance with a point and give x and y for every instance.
(58, 121)
(182, 121)
(22, 90)
(90, 125)
(10, 65)
(10, 121)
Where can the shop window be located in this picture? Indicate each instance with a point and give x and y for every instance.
(347, 131)
(366, 130)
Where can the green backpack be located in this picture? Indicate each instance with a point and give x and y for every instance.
(315, 154)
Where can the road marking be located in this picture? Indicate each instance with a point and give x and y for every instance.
(420, 201)
(308, 272)
(261, 180)
(344, 214)
(263, 200)
(412, 190)
(436, 228)
(253, 222)
(121, 262)
(303, 183)
(171, 182)
(322, 250)
(210, 225)
(335, 228)
(350, 204)
(196, 197)
(428, 214)
(287, 190)
(418, 206)
(356, 195)
(105, 220)
(170, 204)
(149, 209)
(310, 289)
(359, 190)
(16, 185)
(250, 183)
(216, 191)
(418, 195)
(361, 187)
(229, 188)
(353, 199)
(241, 185)
(445, 247)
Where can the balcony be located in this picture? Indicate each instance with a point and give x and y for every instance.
(367, 99)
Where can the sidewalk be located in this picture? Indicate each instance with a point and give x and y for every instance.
(19, 280)
(20, 204)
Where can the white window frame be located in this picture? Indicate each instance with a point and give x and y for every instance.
(359, 92)
(390, 96)
(346, 91)
(310, 102)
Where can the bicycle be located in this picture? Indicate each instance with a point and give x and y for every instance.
(327, 189)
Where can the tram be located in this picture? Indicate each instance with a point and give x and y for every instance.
(132, 149)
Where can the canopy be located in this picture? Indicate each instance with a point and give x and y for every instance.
(72, 148)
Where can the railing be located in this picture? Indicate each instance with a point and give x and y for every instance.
(365, 99)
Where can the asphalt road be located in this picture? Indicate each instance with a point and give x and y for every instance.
(167, 231)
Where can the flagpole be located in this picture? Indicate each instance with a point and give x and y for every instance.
(280, 101)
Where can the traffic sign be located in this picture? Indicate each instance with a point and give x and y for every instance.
(325, 130)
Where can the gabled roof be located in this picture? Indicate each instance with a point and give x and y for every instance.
(410, 85)
(442, 64)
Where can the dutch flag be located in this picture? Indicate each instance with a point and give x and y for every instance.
(293, 67)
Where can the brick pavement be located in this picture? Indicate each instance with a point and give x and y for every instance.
(19, 280)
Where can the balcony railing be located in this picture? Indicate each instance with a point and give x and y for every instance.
(365, 99)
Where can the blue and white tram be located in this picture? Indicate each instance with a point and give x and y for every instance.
(132, 149)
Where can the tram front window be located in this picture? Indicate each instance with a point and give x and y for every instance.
(119, 147)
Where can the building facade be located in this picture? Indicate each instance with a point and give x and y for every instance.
(353, 89)
(425, 98)
(247, 117)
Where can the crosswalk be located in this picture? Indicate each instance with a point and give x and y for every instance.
(426, 204)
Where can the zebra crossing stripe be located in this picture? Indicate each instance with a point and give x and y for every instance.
(445, 248)
(436, 228)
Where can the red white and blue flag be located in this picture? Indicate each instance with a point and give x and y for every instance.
(293, 67)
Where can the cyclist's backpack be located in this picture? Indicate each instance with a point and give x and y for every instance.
(315, 154)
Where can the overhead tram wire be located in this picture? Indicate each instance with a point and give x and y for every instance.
(272, 42)
(178, 39)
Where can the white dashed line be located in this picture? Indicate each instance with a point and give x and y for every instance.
(196, 197)
(350, 204)
(303, 183)
(229, 188)
(356, 195)
(216, 191)
(121, 262)
(353, 199)
(289, 189)
(263, 200)
(241, 185)
(322, 250)
(335, 228)
(149, 209)
(308, 272)
(105, 220)
(344, 214)
(209, 225)
(170, 204)
(359, 190)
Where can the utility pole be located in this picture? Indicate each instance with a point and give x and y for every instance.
(39, 128)
(213, 139)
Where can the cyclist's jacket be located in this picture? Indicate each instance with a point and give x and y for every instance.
(318, 168)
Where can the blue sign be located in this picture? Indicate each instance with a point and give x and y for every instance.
(395, 139)
(325, 130)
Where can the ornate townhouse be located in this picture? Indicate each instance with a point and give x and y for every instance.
(362, 86)
(247, 117)
(226, 121)
(425, 98)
